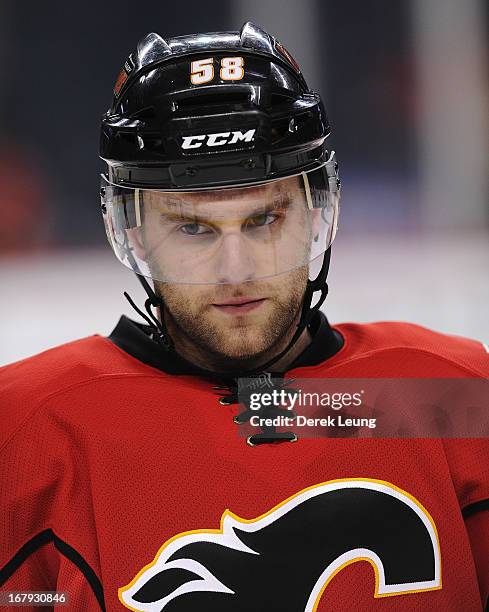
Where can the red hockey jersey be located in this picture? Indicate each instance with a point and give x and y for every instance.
(127, 487)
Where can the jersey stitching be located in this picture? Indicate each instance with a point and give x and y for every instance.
(37, 408)
(397, 348)
(471, 500)
(146, 365)
(331, 362)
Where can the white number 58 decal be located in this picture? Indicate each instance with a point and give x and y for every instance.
(202, 71)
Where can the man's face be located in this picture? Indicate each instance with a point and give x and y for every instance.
(232, 247)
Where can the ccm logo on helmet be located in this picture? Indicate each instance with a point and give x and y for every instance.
(217, 140)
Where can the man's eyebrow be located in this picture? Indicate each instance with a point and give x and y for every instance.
(282, 204)
(177, 211)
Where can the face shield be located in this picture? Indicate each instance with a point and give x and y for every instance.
(229, 235)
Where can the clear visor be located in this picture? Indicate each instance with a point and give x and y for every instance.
(228, 235)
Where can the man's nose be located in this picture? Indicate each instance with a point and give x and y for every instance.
(235, 261)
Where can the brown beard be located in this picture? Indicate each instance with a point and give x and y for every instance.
(239, 346)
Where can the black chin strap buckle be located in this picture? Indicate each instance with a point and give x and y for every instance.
(160, 333)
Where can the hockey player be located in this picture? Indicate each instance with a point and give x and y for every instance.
(124, 482)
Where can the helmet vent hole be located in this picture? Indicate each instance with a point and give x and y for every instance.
(153, 143)
(280, 129)
(279, 98)
(214, 99)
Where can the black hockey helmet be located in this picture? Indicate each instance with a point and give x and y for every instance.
(211, 110)
(217, 113)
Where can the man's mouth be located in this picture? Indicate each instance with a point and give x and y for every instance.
(239, 305)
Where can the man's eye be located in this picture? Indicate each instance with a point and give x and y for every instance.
(194, 229)
(261, 220)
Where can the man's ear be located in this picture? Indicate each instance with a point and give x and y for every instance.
(134, 235)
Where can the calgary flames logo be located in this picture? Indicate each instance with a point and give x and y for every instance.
(280, 554)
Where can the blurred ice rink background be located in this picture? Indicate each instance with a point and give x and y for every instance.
(406, 87)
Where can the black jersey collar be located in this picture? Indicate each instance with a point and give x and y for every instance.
(135, 338)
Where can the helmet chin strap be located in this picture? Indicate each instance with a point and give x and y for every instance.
(161, 333)
(307, 314)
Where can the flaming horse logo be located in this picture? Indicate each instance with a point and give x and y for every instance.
(284, 559)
